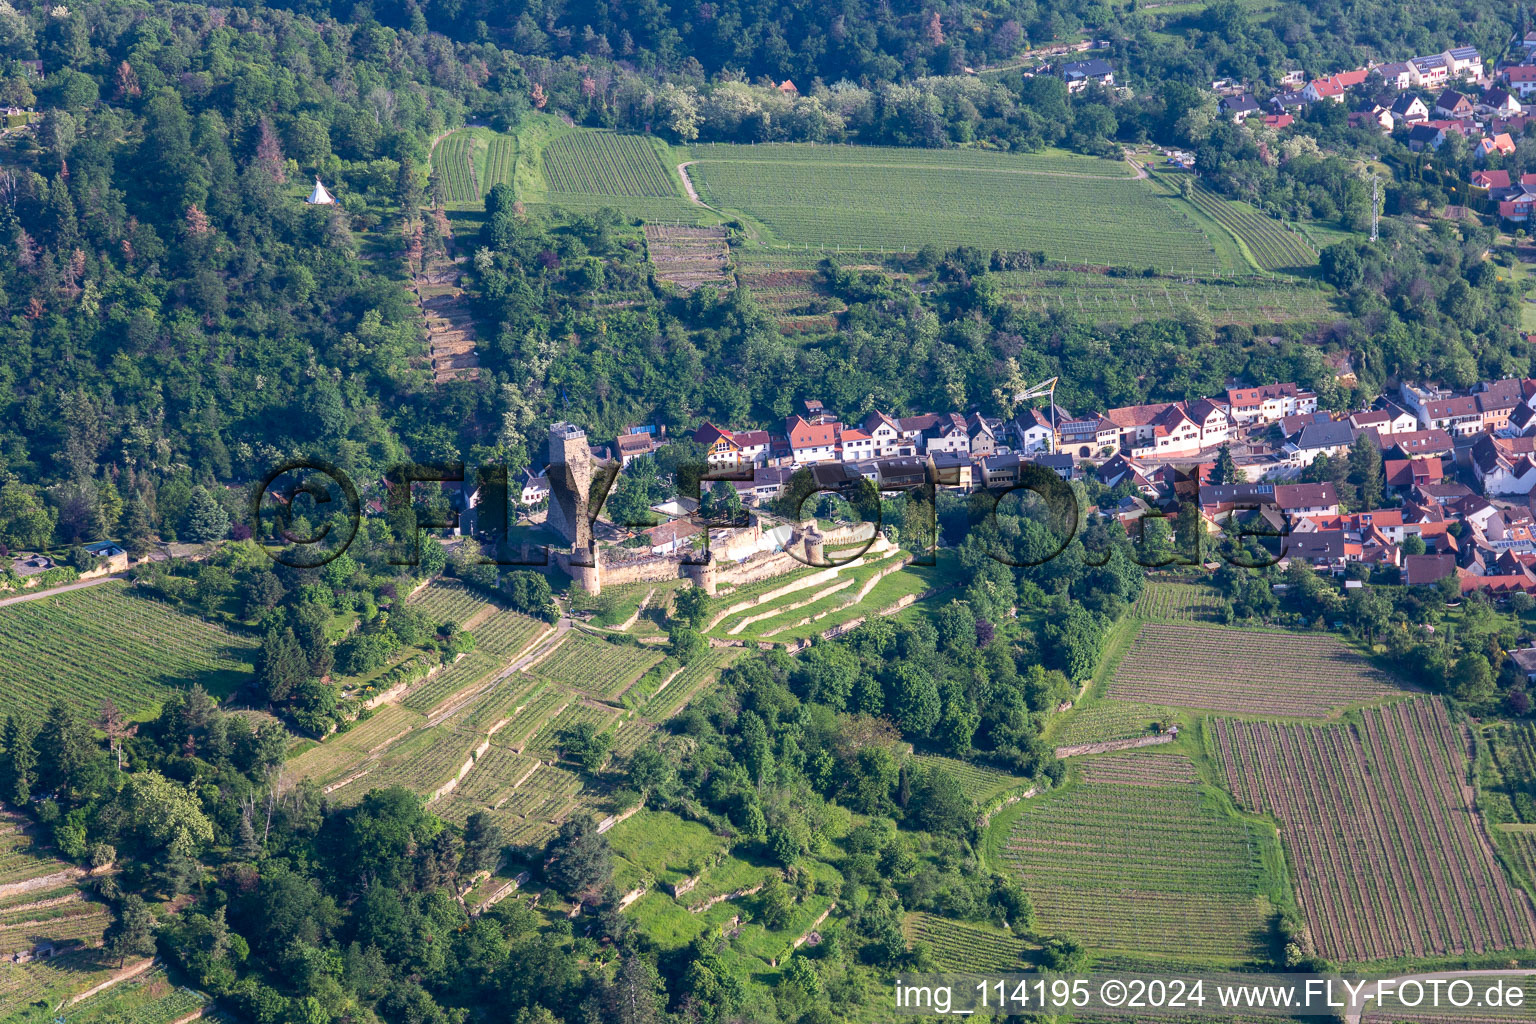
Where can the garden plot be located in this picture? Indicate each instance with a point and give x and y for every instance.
(1157, 868)
(1391, 858)
(1246, 671)
(150, 998)
(106, 641)
(1266, 239)
(1104, 299)
(548, 741)
(600, 163)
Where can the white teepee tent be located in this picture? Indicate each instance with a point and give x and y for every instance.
(320, 197)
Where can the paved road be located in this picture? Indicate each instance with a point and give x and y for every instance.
(18, 599)
(1353, 1014)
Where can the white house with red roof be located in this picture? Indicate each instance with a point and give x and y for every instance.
(811, 442)
(1268, 403)
(1334, 86)
(1521, 79)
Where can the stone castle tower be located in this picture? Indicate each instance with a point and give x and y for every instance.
(570, 479)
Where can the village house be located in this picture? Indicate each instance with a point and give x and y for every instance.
(1521, 79)
(752, 446)
(1397, 75)
(1386, 421)
(1033, 432)
(673, 535)
(631, 447)
(719, 447)
(1334, 86)
(855, 445)
(535, 487)
(1086, 434)
(811, 442)
(1504, 465)
(1269, 403)
(1404, 474)
(1490, 179)
(1454, 105)
(1331, 438)
(1425, 136)
(1079, 74)
(955, 469)
(1409, 109)
(982, 433)
(1239, 107)
(947, 434)
(1307, 499)
(887, 436)
(1497, 145)
(1498, 102)
(1425, 570)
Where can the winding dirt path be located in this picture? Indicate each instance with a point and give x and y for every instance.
(693, 193)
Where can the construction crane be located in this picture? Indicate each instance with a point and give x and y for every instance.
(1044, 388)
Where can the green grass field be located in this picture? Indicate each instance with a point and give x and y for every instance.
(1141, 857)
(892, 199)
(106, 641)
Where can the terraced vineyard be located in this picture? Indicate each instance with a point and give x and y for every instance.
(548, 741)
(1105, 720)
(979, 782)
(454, 162)
(963, 946)
(1391, 860)
(870, 197)
(1163, 601)
(106, 641)
(499, 640)
(333, 759)
(445, 600)
(150, 998)
(702, 671)
(604, 163)
(1099, 298)
(593, 665)
(1154, 868)
(1272, 246)
(21, 859)
(1242, 671)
